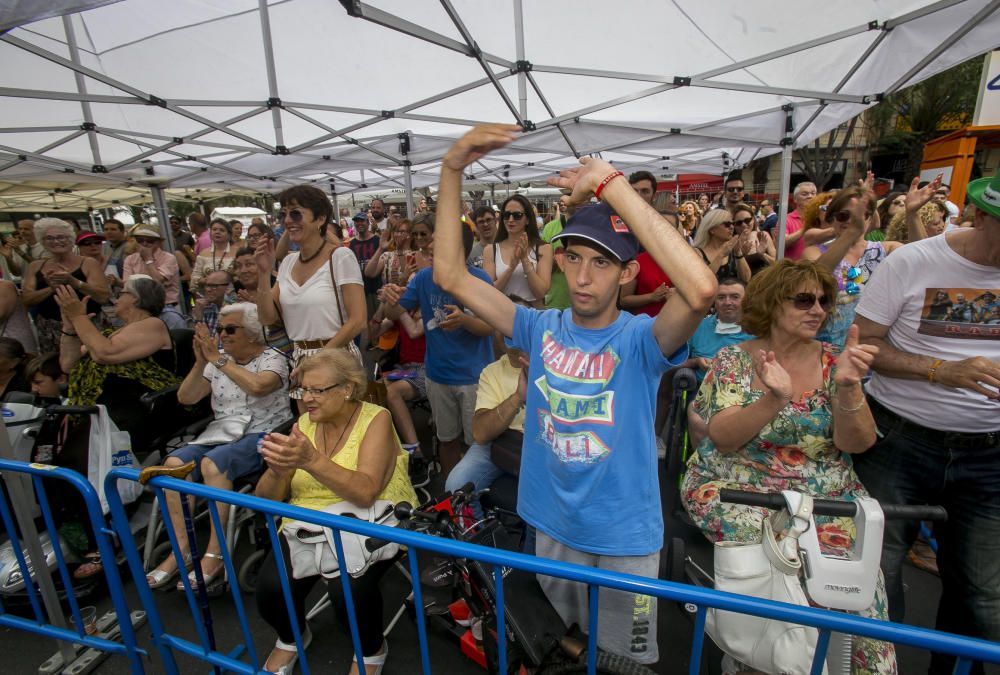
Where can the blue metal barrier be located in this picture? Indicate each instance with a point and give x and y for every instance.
(95, 520)
(967, 650)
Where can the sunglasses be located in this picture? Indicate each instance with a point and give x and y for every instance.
(146, 240)
(516, 215)
(845, 216)
(734, 189)
(726, 223)
(806, 301)
(744, 221)
(228, 330)
(294, 214)
(90, 242)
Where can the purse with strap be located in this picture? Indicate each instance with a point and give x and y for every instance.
(766, 569)
(312, 551)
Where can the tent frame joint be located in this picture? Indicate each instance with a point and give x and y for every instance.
(787, 140)
(528, 125)
(88, 126)
(98, 168)
(281, 150)
(682, 81)
(387, 114)
(521, 66)
(157, 101)
(274, 102)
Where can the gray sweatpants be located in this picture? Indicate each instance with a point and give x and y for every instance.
(626, 622)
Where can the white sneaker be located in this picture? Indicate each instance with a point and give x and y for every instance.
(661, 448)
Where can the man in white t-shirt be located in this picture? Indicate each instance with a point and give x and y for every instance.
(376, 209)
(935, 399)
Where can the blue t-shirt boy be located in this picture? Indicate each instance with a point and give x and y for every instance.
(588, 465)
(455, 357)
(707, 342)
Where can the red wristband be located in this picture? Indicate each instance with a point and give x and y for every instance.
(610, 177)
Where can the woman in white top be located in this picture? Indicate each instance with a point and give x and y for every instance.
(519, 262)
(319, 294)
(219, 256)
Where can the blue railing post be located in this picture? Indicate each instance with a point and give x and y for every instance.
(697, 640)
(501, 620)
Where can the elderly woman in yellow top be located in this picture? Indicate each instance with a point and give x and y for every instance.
(341, 449)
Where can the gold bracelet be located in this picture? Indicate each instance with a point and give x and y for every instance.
(861, 405)
(932, 371)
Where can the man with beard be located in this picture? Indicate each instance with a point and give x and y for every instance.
(485, 221)
(376, 209)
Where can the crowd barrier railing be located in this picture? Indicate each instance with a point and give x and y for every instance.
(966, 650)
(51, 623)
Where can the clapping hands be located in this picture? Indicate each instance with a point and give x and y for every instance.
(855, 361)
(773, 375)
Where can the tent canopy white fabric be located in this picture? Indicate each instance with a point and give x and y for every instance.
(261, 94)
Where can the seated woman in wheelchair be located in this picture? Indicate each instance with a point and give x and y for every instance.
(785, 412)
(341, 449)
(249, 387)
(112, 368)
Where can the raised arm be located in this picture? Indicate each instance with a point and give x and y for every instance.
(450, 270)
(694, 283)
(915, 200)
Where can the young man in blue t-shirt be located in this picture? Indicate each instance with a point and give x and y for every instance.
(588, 481)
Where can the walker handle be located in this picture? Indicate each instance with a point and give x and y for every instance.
(829, 507)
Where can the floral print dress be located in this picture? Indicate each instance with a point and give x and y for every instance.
(794, 451)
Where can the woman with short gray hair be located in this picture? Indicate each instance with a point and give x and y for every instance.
(249, 388)
(65, 269)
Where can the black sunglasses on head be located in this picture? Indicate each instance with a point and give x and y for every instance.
(806, 301)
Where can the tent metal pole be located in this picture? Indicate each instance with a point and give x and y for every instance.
(81, 86)
(336, 203)
(786, 177)
(408, 178)
(522, 76)
(272, 77)
(163, 217)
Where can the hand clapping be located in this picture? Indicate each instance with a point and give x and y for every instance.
(284, 454)
(773, 375)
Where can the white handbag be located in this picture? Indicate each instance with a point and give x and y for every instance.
(769, 570)
(312, 550)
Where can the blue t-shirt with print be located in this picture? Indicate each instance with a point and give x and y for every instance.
(588, 465)
(454, 357)
(706, 343)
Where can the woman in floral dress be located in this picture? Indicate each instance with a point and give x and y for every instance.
(784, 412)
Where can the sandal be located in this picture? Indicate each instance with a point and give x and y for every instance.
(157, 578)
(91, 567)
(375, 660)
(210, 579)
(285, 647)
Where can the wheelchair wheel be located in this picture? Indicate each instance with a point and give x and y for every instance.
(247, 575)
(607, 664)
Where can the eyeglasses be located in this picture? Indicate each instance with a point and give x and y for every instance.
(744, 221)
(516, 215)
(806, 301)
(294, 214)
(487, 221)
(845, 215)
(302, 392)
(228, 330)
(61, 239)
(146, 240)
(734, 189)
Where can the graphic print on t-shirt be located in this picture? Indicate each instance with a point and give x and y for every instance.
(966, 313)
(590, 402)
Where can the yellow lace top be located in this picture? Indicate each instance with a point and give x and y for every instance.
(309, 493)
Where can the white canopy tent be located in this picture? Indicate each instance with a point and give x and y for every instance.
(355, 96)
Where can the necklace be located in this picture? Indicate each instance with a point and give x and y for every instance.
(329, 451)
(218, 267)
(303, 259)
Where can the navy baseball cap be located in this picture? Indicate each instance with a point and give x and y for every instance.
(601, 225)
(360, 216)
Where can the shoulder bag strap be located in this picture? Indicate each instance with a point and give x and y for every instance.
(336, 291)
